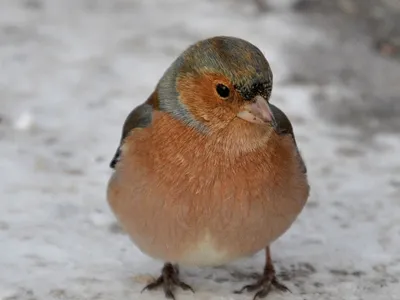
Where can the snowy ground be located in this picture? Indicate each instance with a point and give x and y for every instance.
(71, 71)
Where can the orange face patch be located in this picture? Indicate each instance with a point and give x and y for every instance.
(200, 96)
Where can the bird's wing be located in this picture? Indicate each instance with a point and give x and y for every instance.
(139, 117)
(285, 127)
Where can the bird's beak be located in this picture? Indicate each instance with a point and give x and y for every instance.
(258, 111)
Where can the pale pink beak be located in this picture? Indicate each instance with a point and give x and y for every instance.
(257, 112)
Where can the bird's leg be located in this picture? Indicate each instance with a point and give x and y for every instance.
(266, 282)
(168, 279)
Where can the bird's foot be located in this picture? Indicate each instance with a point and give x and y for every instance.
(264, 285)
(168, 279)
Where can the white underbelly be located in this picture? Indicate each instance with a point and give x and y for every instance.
(205, 252)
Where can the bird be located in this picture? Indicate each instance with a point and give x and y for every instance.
(208, 170)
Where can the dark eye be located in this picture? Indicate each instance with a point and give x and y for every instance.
(223, 90)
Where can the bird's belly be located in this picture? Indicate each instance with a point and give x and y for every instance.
(205, 252)
(193, 206)
(217, 225)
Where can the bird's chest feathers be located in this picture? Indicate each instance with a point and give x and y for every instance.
(186, 164)
(177, 191)
(176, 166)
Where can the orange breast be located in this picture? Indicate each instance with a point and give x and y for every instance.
(188, 198)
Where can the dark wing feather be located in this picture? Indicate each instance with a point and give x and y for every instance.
(139, 117)
(285, 127)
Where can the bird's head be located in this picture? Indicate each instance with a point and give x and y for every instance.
(217, 81)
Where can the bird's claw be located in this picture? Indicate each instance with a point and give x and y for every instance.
(168, 279)
(264, 285)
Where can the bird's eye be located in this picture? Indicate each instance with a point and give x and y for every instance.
(223, 90)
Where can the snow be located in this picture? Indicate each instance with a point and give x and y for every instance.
(72, 70)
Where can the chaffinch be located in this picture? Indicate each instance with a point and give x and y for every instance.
(208, 170)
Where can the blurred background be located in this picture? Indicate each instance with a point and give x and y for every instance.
(71, 71)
